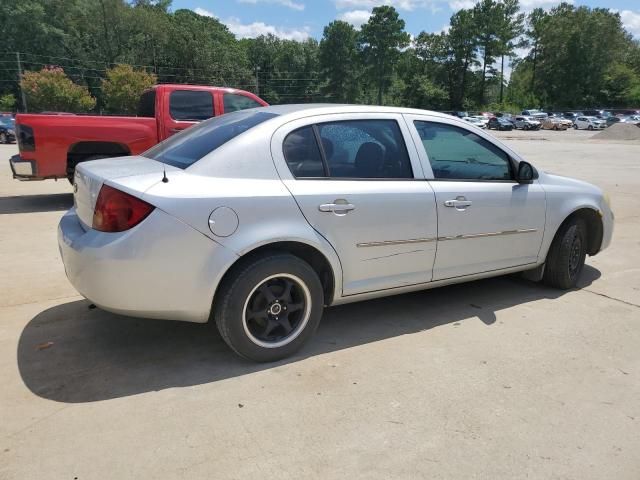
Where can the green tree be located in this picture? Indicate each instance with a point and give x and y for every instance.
(339, 62)
(382, 37)
(510, 29)
(462, 42)
(487, 16)
(123, 86)
(51, 89)
(7, 102)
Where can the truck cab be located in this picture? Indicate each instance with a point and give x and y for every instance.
(51, 145)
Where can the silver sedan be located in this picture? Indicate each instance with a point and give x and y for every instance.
(260, 218)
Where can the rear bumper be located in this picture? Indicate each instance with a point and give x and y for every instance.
(160, 269)
(22, 169)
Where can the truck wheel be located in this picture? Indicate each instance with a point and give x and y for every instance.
(270, 307)
(566, 256)
(71, 167)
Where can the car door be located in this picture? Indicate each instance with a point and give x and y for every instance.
(486, 220)
(360, 185)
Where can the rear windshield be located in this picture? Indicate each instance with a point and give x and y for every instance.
(187, 147)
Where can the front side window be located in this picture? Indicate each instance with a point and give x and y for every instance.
(191, 105)
(459, 154)
(190, 145)
(234, 102)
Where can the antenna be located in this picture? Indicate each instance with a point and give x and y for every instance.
(164, 175)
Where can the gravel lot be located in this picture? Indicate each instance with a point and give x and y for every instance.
(497, 379)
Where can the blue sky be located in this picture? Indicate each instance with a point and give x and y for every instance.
(299, 19)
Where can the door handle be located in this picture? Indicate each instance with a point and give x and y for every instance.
(459, 203)
(337, 208)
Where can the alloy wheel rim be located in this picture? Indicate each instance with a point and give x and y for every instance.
(276, 311)
(574, 255)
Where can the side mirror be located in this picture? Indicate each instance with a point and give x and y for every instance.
(526, 173)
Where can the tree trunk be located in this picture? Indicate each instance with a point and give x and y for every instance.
(533, 74)
(484, 75)
(502, 80)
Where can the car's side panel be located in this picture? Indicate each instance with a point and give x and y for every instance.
(502, 227)
(266, 213)
(388, 240)
(565, 196)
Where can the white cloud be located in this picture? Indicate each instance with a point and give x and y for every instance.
(460, 4)
(355, 17)
(255, 29)
(531, 4)
(631, 21)
(407, 5)
(285, 3)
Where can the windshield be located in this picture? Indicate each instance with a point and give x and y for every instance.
(189, 146)
(7, 122)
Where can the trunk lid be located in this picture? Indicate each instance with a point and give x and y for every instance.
(133, 175)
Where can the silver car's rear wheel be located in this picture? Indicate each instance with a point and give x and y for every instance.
(268, 307)
(277, 310)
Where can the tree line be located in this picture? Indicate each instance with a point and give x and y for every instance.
(567, 57)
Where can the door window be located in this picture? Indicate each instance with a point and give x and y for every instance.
(302, 154)
(190, 105)
(350, 149)
(234, 102)
(365, 149)
(459, 154)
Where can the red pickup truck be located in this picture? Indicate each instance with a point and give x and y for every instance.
(52, 145)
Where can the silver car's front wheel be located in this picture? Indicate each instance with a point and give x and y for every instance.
(267, 307)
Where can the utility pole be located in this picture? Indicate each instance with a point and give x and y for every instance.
(24, 99)
(257, 85)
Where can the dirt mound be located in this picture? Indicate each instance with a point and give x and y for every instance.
(619, 131)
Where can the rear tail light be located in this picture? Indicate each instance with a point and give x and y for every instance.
(117, 211)
(26, 140)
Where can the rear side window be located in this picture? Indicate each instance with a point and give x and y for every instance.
(190, 105)
(459, 154)
(234, 102)
(190, 145)
(366, 149)
(302, 154)
(147, 105)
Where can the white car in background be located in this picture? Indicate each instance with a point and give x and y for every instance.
(589, 123)
(480, 122)
(260, 218)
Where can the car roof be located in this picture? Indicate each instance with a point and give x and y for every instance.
(306, 109)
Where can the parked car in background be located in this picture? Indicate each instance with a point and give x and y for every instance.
(501, 123)
(526, 123)
(476, 121)
(555, 123)
(459, 114)
(52, 145)
(601, 114)
(7, 129)
(633, 119)
(572, 115)
(199, 246)
(589, 123)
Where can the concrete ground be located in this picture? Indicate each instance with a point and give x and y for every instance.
(497, 379)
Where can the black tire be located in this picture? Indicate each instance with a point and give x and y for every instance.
(241, 325)
(575, 127)
(71, 168)
(566, 256)
(3, 138)
(590, 127)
